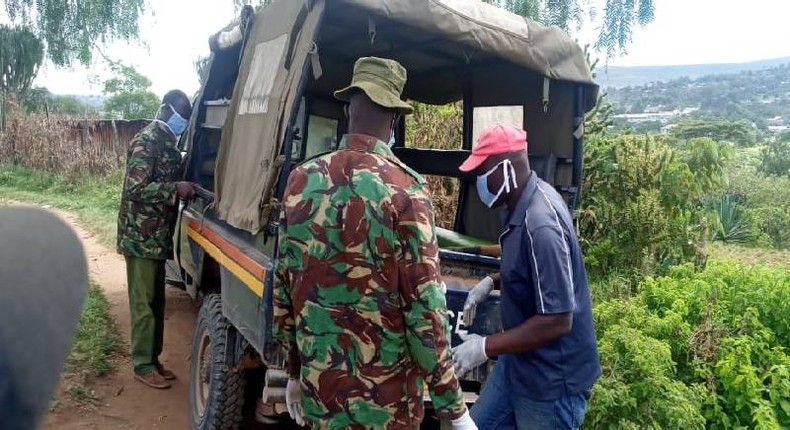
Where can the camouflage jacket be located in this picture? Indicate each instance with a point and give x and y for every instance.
(147, 215)
(358, 300)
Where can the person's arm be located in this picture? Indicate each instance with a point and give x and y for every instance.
(497, 278)
(139, 185)
(425, 306)
(548, 254)
(533, 333)
(283, 321)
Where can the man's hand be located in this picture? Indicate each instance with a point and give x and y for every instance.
(469, 354)
(293, 401)
(476, 296)
(185, 190)
(464, 422)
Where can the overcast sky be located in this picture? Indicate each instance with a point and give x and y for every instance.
(175, 32)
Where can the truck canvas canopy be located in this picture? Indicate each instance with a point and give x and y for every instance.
(451, 49)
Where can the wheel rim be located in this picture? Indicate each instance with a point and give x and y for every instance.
(202, 376)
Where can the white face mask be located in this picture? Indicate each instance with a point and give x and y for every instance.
(509, 174)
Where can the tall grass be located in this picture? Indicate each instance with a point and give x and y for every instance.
(49, 143)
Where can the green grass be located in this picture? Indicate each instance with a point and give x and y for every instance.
(97, 339)
(94, 200)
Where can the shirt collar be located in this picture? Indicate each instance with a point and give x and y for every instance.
(516, 217)
(163, 131)
(363, 142)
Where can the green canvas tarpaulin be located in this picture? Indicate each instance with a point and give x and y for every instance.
(280, 44)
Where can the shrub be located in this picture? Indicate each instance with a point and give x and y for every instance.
(775, 156)
(766, 200)
(694, 349)
(640, 206)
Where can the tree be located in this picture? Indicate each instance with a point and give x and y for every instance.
(71, 29)
(619, 17)
(775, 156)
(40, 100)
(740, 132)
(129, 93)
(21, 54)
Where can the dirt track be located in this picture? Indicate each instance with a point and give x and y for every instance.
(125, 403)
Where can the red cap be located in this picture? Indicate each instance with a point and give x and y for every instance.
(496, 139)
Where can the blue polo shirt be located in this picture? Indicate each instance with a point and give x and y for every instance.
(542, 274)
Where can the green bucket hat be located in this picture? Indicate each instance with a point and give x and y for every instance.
(382, 80)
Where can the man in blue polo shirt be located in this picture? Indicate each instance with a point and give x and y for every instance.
(547, 356)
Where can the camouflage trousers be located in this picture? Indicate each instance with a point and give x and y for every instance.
(146, 283)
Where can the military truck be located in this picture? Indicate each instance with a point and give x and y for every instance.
(266, 105)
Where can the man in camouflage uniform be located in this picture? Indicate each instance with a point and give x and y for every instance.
(146, 220)
(358, 303)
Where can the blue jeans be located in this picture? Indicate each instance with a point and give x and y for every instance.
(498, 408)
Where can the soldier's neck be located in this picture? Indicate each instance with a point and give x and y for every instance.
(380, 132)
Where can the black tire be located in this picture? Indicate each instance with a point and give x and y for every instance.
(216, 391)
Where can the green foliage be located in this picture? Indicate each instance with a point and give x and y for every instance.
(775, 156)
(129, 93)
(638, 389)
(640, 127)
(772, 224)
(71, 29)
(739, 132)
(766, 200)
(97, 338)
(640, 205)
(438, 127)
(758, 190)
(732, 225)
(21, 54)
(695, 350)
(618, 20)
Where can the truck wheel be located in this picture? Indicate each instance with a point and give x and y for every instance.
(216, 391)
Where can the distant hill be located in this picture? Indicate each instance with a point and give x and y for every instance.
(760, 96)
(619, 77)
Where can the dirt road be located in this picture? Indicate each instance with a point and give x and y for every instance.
(123, 402)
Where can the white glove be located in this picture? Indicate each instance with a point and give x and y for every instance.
(464, 422)
(293, 401)
(469, 354)
(476, 296)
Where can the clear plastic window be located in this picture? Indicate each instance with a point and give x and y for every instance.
(321, 135)
(485, 116)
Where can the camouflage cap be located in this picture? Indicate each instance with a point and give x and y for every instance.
(382, 80)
